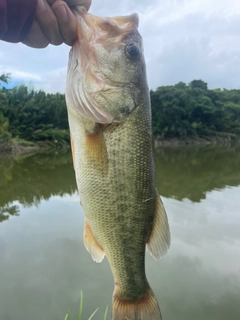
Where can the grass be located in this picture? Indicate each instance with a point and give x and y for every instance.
(67, 317)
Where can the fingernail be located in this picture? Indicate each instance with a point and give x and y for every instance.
(41, 5)
(61, 13)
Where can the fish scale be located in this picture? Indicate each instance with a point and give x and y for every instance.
(127, 183)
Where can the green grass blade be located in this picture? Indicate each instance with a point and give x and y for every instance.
(80, 306)
(67, 317)
(93, 314)
(105, 314)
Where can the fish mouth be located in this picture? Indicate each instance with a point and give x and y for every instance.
(110, 26)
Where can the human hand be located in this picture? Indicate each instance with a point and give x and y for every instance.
(54, 23)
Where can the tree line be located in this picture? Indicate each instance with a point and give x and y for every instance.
(192, 110)
(32, 115)
(178, 111)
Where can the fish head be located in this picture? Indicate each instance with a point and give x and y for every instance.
(106, 72)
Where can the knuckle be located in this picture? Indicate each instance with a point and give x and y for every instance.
(57, 42)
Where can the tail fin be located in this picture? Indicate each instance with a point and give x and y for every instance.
(146, 308)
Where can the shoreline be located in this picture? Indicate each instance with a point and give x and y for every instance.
(224, 140)
(22, 147)
(41, 146)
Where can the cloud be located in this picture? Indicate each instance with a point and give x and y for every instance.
(203, 230)
(194, 59)
(183, 40)
(56, 80)
(189, 40)
(43, 69)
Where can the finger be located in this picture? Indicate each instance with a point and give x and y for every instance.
(66, 21)
(74, 3)
(48, 22)
(36, 37)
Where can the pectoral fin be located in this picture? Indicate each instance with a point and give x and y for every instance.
(91, 244)
(96, 151)
(159, 239)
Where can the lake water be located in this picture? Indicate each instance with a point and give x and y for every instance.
(44, 265)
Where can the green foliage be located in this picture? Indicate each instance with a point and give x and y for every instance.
(193, 111)
(198, 84)
(4, 78)
(180, 111)
(4, 123)
(33, 115)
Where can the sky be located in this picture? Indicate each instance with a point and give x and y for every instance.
(183, 40)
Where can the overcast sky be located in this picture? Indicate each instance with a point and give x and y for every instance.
(183, 40)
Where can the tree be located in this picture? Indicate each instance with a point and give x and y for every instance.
(5, 78)
(181, 85)
(182, 111)
(198, 84)
(178, 111)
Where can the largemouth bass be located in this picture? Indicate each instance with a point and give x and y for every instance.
(113, 155)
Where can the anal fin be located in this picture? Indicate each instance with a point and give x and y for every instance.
(159, 239)
(91, 244)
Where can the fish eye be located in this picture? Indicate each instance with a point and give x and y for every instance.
(132, 50)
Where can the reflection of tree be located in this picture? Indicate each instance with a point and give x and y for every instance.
(31, 178)
(191, 172)
(181, 173)
(7, 211)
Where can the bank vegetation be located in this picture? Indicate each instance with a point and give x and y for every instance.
(182, 113)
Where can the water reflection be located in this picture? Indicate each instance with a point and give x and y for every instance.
(32, 178)
(8, 210)
(43, 262)
(181, 173)
(195, 290)
(192, 172)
